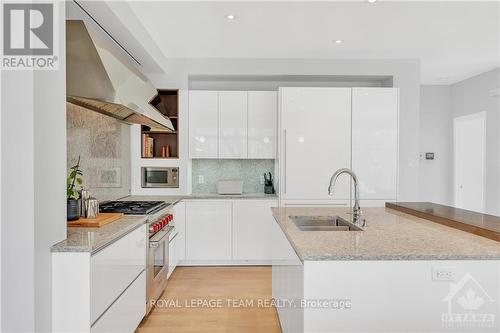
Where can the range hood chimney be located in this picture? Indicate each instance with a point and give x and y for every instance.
(99, 78)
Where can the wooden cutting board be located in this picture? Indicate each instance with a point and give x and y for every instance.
(99, 221)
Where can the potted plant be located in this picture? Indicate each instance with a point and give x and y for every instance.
(73, 181)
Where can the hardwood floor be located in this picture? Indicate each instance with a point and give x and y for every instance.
(246, 288)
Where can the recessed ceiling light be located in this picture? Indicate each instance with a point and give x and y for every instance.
(372, 1)
(339, 41)
(230, 16)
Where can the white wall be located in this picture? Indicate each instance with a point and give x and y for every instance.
(33, 172)
(436, 136)
(474, 95)
(17, 202)
(439, 106)
(406, 76)
(49, 111)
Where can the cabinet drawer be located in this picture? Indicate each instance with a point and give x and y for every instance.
(127, 312)
(114, 268)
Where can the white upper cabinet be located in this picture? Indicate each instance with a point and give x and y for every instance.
(233, 124)
(315, 142)
(375, 141)
(203, 124)
(262, 124)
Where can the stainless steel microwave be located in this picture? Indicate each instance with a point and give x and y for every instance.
(160, 177)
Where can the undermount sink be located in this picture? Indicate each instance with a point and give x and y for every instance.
(323, 223)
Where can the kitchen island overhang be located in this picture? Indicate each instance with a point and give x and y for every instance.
(401, 274)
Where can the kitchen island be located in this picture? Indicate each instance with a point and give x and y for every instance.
(417, 271)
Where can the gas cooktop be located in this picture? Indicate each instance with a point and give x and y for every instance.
(132, 207)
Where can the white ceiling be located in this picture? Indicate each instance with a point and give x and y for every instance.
(453, 40)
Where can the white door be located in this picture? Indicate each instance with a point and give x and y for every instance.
(233, 124)
(375, 141)
(262, 124)
(208, 230)
(203, 124)
(469, 142)
(252, 223)
(315, 141)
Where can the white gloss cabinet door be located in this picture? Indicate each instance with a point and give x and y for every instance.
(315, 141)
(252, 230)
(375, 141)
(113, 268)
(203, 124)
(208, 230)
(126, 312)
(262, 124)
(179, 212)
(232, 124)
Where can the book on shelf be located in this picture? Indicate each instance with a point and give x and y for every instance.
(147, 145)
(151, 147)
(161, 130)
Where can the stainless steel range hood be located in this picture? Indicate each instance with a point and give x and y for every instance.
(99, 78)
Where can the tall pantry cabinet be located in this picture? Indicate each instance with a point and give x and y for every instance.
(325, 129)
(316, 141)
(375, 142)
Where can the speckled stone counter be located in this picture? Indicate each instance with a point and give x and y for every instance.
(203, 196)
(390, 235)
(256, 196)
(94, 239)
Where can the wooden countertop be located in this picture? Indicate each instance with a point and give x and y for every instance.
(476, 223)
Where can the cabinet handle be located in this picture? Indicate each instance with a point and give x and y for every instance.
(284, 161)
(170, 241)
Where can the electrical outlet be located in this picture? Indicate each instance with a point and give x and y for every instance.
(443, 273)
(261, 180)
(201, 179)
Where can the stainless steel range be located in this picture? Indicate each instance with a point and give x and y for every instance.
(161, 226)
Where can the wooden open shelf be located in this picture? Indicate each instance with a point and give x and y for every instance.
(167, 102)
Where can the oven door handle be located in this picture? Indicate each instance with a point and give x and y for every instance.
(159, 237)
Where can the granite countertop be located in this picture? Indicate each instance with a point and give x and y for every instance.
(232, 196)
(94, 239)
(390, 235)
(202, 196)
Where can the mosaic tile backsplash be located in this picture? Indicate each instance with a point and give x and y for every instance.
(249, 171)
(103, 143)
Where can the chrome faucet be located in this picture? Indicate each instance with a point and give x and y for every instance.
(356, 210)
